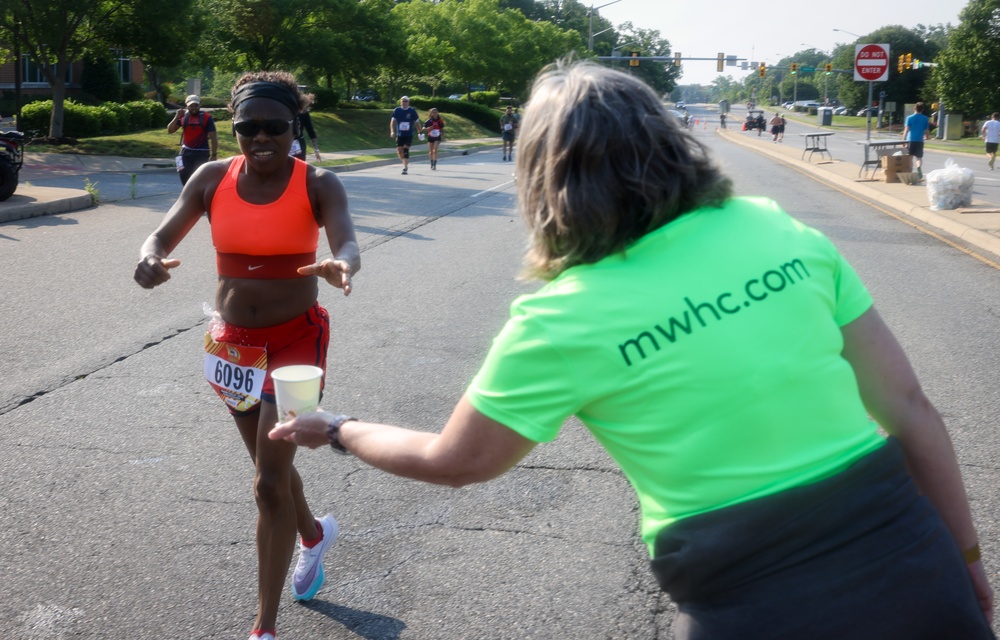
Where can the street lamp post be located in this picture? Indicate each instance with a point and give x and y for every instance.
(848, 33)
(590, 40)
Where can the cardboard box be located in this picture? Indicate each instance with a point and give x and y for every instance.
(891, 165)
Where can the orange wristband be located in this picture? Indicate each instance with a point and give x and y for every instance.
(972, 554)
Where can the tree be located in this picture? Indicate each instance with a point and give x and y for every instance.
(161, 35)
(358, 41)
(968, 71)
(427, 31)
(269, 34)
(661, 76)
(56, 33)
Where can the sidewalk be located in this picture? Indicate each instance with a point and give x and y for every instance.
(32, 200)
(977, 225)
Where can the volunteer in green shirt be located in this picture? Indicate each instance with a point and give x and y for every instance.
(728, 358)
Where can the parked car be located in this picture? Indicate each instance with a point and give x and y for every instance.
(864, 112)
(367, 95)
(681, 104)
(840, 111)
(456, 96)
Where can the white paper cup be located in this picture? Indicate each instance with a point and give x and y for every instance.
(296, 388)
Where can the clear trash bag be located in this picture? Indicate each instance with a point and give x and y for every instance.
(951, 187)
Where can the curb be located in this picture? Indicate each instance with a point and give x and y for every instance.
(30, 202)
(971, 235)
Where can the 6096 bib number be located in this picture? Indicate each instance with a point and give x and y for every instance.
(234, 377)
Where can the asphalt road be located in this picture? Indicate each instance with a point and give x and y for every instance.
(126, 491)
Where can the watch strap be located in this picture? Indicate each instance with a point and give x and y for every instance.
(333, 432)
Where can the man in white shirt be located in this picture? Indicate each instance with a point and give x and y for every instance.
(991, 134)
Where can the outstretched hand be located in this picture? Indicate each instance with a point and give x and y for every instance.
(336, 272)
(152, 271)
(307, 430)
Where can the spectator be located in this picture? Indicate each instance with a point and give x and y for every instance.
(199, 141)
(728, 358)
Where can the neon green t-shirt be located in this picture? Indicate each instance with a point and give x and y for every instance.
(706, 359)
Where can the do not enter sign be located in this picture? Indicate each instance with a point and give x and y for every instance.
(871, 62)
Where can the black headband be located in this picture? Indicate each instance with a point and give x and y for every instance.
(270, 90)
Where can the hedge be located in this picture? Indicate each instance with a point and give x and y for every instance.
(84, 121)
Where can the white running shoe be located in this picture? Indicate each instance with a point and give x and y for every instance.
(309, 575)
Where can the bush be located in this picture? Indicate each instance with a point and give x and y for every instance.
(208, 102)
(81, 121)
(360, 104)
(478, 113)
(488, 98)
(113, 117)
(131, 92)
(326, 99)
(35, 116)
(145, 114)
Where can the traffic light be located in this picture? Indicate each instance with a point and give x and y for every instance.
(762, 70)
(909, 61)
(795, 68)
(634, 62)
(677, 58)
(721, 61)
(829, 68)
(902, 61)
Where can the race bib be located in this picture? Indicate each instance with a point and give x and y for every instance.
(435, 133)
(235, 372)
(508, 127)
(404, 126)
(296, 148)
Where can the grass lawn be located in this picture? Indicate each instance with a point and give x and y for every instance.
(859, 123)
(345, 130)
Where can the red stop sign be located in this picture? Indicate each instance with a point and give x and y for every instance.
(871, 62)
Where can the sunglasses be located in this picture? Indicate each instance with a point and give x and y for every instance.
(250, 128)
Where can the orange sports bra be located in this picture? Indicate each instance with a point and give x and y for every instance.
(263, 240)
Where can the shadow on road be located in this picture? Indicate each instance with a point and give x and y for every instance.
(372, 626)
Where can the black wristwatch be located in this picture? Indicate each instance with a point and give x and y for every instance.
(333, 432)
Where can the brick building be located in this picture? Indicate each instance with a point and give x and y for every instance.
(34, 82)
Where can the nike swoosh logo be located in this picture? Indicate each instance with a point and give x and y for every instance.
(249, 268)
